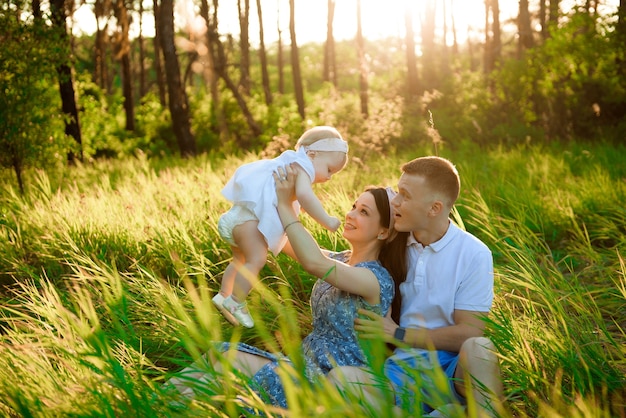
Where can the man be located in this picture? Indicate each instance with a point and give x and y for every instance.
(446, 296)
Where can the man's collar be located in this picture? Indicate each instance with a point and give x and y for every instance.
(436, 246)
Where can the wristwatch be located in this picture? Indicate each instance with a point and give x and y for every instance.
(399, 334)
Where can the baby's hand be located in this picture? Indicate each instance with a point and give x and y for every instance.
(333, 224)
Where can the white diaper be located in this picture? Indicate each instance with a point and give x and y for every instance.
(237, 215)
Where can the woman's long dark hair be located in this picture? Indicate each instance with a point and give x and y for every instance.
(393, 253)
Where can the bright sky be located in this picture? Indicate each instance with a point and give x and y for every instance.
(379, 19)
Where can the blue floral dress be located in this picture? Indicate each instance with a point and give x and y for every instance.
(333, 341)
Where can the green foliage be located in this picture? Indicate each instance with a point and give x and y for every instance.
(111, 267)
(568, 87)
(107, 268)
(154, 133)
(577, 78)
(31, 122)
(99, 127)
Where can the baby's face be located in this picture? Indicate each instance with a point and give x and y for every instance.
(327, 163)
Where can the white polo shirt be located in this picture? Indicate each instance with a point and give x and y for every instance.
(455, 272)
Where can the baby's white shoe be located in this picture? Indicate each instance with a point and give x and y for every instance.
(218, 301)
(239, 311)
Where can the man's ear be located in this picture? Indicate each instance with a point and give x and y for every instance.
(436, 208)
(311, 154)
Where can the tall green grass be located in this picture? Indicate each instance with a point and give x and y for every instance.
(108, 270)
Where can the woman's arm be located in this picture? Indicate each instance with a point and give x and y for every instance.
(288, 250)
(356, 280)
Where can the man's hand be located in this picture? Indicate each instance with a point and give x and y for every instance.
(370, 325)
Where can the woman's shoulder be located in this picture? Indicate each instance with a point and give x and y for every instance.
(374, 265)
(386, 283)
(377, 268)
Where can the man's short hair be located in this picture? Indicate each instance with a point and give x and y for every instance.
(440, 175)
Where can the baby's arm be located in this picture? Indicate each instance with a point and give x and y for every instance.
(311, 204)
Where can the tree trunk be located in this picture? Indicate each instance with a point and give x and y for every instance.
(17, 168)
(525, 40)
(36, 5)
(455, 43)
(620, 33)
(620, 36)
(216, 108)
(487, 53)
(360, 44)
(263, 57)
(142, 54)
(123, 55)
(66, 83)
(470, 50)
(280, 60)
(129, 106)
(295, 60)
(411, 59)
(428, 45)
(100, 57)
(102, 9)
(244, 44)
(192, 57)
(179, 107)
(330, 66)
(219, 59)
(497, 37)
(445, 64)
(553, 17)
(543, 19)
(158, 63)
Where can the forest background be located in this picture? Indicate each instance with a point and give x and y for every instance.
(533, 108)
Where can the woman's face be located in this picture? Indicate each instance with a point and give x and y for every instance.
(363, 220)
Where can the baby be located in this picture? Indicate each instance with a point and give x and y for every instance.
(252, 226)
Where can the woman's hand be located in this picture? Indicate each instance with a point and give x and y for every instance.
(285, 179)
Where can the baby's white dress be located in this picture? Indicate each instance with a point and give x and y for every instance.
(252, 186)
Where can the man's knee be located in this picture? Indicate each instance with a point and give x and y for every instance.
(477, 348)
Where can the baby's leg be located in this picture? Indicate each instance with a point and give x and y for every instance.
(228, 278)
(253, 247)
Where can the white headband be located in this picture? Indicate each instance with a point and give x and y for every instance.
(328, 144)
(390, 195)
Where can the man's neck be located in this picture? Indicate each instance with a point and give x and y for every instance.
(434, 234)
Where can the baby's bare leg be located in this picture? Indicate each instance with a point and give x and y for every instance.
(228, 279)
(253, 247)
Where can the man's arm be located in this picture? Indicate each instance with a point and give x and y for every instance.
(468, 324)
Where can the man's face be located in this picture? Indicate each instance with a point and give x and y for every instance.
(412, 203)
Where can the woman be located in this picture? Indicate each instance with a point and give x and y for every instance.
(349, 280)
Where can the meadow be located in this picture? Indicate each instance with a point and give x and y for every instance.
(107, 270)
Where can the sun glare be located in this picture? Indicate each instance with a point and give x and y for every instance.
(378, 19)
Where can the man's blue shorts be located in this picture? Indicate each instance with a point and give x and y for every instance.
(427, 377)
